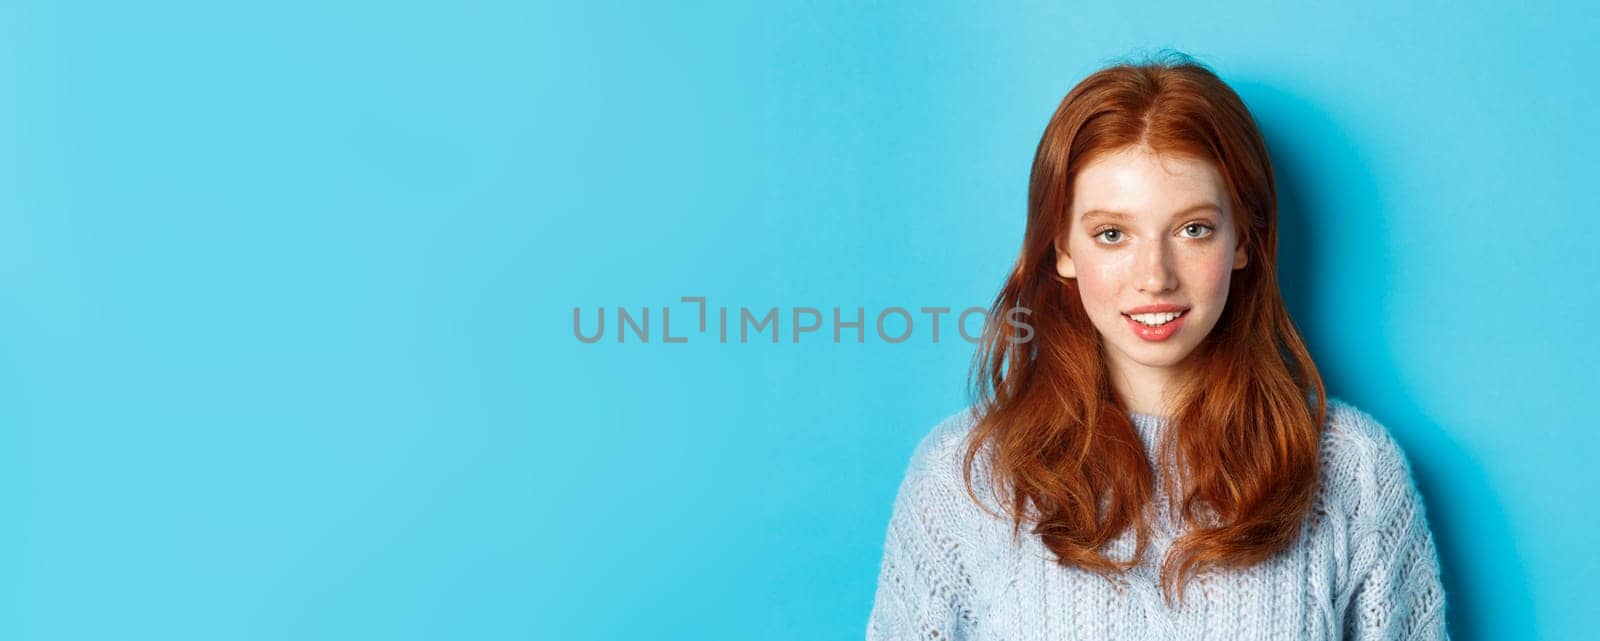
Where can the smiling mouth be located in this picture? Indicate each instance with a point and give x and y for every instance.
(1156, 319)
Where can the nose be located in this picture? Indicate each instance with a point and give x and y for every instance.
(1155, 274)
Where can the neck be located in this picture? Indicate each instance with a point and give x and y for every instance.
(1146, 390)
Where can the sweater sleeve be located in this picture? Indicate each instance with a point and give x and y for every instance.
(924, 586)
(1397, 593)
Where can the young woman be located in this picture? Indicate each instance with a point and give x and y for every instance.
(1158, 459)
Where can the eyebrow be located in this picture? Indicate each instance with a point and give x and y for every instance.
(1117, 215)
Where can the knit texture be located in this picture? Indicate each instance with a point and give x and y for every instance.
(1364, 568)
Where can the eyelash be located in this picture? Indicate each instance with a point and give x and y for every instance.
(1209, 230)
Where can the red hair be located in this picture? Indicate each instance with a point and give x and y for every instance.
(1251, 404)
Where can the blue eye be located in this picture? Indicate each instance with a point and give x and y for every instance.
(1189, 230)
(1109, 235)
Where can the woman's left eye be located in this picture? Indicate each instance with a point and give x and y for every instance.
(1196, 230)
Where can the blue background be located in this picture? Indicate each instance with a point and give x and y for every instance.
(287, 351)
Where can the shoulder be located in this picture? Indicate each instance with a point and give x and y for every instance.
(945, 443)
(936, 471)
(1365, 471)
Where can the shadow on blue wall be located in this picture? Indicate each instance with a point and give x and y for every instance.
(1347, 337)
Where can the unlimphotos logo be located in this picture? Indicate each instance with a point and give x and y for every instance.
(893, 324)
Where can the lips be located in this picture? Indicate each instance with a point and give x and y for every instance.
(1155, 309)
(1157, 333)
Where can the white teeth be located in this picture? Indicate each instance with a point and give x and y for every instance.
(1155, 320)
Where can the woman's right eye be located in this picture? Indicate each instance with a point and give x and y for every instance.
(1109, 235)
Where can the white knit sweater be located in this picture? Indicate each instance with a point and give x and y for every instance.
(1365, 567)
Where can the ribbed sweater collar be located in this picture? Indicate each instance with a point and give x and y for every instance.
(1149, 426)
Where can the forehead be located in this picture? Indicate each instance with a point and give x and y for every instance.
(1140, 182)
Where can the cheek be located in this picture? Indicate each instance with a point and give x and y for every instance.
(1210, 276)
(1098, 283)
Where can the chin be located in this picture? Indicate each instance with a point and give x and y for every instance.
(1163, 363)
(1162, 358)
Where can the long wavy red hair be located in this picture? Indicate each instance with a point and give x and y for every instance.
(1250, 409)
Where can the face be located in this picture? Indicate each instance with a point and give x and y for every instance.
(1152, 247)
